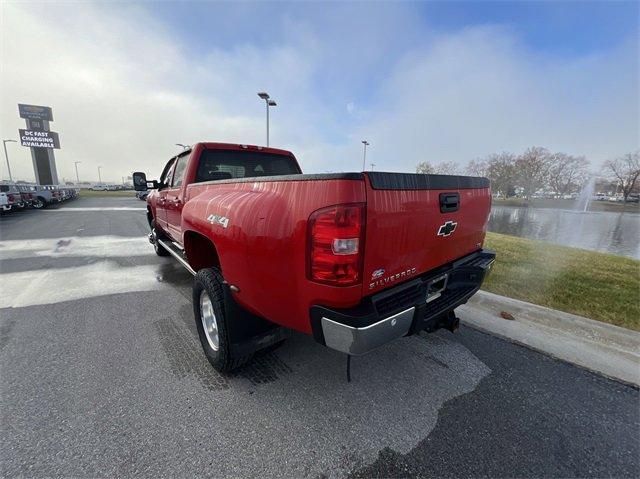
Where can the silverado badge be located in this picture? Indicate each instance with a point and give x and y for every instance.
(447, 228)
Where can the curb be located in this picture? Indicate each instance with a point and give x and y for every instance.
(599, 347)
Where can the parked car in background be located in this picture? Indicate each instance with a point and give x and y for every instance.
(14, 198)
(19, 196)
(4, 202)
(28, 194)
(99, 187)
(43, 197)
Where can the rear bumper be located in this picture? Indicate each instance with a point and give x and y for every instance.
(423, 303)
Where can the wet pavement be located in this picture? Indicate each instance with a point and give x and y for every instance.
(102, 375)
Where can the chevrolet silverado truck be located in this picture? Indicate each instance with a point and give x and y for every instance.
(355, 260)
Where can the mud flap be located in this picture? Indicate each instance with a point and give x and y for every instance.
(249, 333)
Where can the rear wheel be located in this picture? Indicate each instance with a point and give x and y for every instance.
(212, 321)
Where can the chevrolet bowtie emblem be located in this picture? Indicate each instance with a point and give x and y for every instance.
(447, 228)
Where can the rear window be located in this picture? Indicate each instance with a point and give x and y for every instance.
(7, 188)
(229, 164)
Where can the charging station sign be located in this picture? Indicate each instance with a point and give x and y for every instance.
(39, 139)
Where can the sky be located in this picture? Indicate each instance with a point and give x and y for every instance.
(427, 81)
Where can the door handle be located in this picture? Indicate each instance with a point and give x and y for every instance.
(449, 202)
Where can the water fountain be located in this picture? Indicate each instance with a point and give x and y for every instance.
(584, 198)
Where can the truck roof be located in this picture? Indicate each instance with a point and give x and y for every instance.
(235, 146)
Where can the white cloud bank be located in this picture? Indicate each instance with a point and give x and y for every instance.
(124, 89)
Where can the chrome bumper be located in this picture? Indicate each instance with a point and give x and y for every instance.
(425, 303)
(362, 340)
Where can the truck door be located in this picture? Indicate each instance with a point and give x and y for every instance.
(174, 200)
(161, 200)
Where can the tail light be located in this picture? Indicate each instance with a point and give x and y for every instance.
(336, 244)
(11, 198)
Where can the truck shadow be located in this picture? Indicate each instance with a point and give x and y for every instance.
(392, 400)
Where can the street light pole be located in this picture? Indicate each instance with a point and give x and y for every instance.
(372, 165)
(365, 143)
(269, 102)
(76, 165)
(4, 144)
(99, 175)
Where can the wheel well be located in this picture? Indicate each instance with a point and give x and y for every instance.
(201, 252)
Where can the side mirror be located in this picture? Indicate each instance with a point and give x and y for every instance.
(140, 182)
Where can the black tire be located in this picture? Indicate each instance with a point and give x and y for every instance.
(39, 203)
(209, 282)
(159, 249)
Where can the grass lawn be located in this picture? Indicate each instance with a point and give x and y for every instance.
(107, 194)
(595, 285)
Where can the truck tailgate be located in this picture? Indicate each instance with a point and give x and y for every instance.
(414, 224)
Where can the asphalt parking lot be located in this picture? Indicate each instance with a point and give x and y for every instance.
(102, 375)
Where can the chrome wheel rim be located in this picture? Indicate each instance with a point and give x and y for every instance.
(209, 322)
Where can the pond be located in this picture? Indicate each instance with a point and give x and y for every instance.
(617, 233)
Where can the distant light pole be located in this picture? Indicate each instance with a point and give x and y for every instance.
(269, 102)
(184, 147)
(4, 144)
(99, 175)
(365, 143)
(76, 165)
(372, 165)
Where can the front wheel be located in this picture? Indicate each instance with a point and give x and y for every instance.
(159, 249)
(212, 321)
(39, 203)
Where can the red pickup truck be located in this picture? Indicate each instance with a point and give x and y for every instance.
(354, 259)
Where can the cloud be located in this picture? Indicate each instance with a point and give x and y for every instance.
(351, 107)
(479, 91)
(124, 87)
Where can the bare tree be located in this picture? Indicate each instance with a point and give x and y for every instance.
(446, 168)
(567, 173)
(533, 169)
(501, 171)
(477, 167)
(626, 170)
(425, 168)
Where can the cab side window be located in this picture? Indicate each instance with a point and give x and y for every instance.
(178, 175)
(165, 177)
